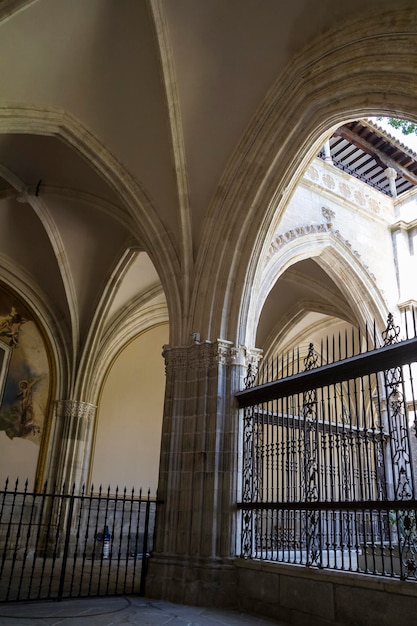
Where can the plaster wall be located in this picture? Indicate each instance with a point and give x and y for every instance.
(129, 419)
(19, 459)
(361, 220)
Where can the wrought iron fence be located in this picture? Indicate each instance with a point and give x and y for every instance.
(328, 456)
(57, 544)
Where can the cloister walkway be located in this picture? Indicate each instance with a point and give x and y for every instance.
(122, 610)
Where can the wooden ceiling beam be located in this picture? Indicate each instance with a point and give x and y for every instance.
(380, 157)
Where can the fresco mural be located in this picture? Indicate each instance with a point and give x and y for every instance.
(24, 372)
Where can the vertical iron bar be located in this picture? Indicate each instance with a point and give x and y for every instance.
(9, 527)
(68, 518)
(112, 534)
(100, 491)
(60, 517)
(145, 549)
(310, 418)
(137, 537)
(358, 439)
(400, 453)
(77, 540)
(86, 535)
(128, 540)
(26, 548)
(17, 538)
(119, 554)
(93, 569)
(42, 496)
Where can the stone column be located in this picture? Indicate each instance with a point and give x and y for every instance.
(410, 385)
(404, 261)
(327, 153)
(72, 443)
(199, 475)
(391, 175)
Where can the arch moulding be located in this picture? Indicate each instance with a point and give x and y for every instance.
(347, 74)
(149, 230)
(338, 260)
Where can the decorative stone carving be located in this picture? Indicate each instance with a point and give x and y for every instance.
(71, 454)
(355, 252)
(328, 214)
(203, 355)
(345, 190)
(374, 206)
(281, 240)
(353, 191)
(227, 354)
(329, 181)
(359, 198)
(175, 358)
(75, 408)
(313, 173)
(79, 415)
(253, 357)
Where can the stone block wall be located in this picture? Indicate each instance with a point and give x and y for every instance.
(312, 597)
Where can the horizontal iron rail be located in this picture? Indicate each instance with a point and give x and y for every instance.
(56, 545)
(298, 421)
(362, 505)
(378, 360)
(85, 497)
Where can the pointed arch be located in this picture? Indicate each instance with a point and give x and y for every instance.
(346, 74)
(149, 230)
(336, 259)
(19, 282)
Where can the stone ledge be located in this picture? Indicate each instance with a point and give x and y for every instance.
(365, 581)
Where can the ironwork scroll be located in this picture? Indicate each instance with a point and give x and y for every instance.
(311, 463)
(250, 470)
(402, 475)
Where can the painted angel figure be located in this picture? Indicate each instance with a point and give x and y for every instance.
(10, 326)
(26, 406)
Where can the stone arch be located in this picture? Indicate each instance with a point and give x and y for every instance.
(130, 413)
(131, 324)
(67, 455)
(30, 356)
(330, 252)
(20, 283)
(347, 74)
(149, 230)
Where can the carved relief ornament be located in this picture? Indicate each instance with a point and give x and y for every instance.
(204, 355)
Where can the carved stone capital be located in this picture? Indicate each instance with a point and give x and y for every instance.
(75, 409)
(253, 357)
(204, 355)
(227, 353)
(175, 358)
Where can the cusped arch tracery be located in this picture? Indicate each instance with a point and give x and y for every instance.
(342, 265)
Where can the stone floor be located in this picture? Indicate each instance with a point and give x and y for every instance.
(122, 610)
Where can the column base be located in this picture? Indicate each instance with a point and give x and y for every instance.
(193, 581)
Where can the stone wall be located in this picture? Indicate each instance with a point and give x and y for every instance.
(312, 597)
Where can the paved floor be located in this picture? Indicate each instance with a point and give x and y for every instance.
(113, 611)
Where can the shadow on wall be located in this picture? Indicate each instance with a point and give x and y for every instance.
(129, 421)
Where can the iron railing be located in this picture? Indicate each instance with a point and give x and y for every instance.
(60, 544)
(328, 457)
